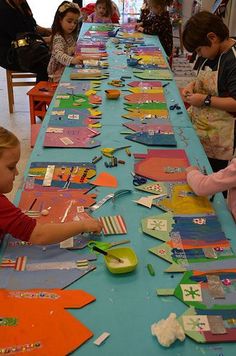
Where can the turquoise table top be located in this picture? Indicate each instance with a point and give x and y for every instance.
(127, 305)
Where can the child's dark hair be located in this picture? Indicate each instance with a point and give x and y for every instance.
(61, 12)
(198, 26)
(162, 3)
(108, 4)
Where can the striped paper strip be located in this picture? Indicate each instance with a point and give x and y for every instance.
(113, 225)
(20, 263)
(7, 263)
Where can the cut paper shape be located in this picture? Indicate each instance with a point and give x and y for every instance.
(73, 117)
(44, 309)
(145, 115)
(154, 188)
(221, 325)
(147, 201)
(153, 125)
(55, 204)
(73, 175)
(73, 88)
(165, 291)
(146, 84)
(71, 137)
(158, 226)
(113, 225)
(180, 199)
(155, 74)
(80, 101)
(153, 139)
(204, 300)
(156, 163)
(145, 97)
(37, 255)
(87, 74)
(191, 292)
(105, 179)
(196, 323)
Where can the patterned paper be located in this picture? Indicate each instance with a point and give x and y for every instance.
(113, 225)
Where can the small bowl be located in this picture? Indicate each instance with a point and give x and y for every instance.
(112, 93)
(127, 255)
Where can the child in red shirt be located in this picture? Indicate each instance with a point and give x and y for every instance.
(13, 220)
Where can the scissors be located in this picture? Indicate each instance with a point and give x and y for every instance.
(137, 180)
(176, 106)
(109, 151)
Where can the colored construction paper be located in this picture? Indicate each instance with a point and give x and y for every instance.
(105, 179)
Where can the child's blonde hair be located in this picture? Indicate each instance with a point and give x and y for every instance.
(7, 140)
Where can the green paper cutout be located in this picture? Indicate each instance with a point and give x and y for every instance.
(146, 106)
(195, 335)
(158, 226)
(165, 291)
(154, 74)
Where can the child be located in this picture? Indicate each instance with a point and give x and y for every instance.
(145, 10)
(103, 12)
(64, 36)
(13, 220)
(158, 23)
(215, 182)
(212, 95)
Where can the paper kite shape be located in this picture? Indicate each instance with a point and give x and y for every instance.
(73, 117)
(162, 165)
(153, 138)
(163, 74)
(158, 226)
(71, 137)
(80, 101)
(88, 74)
(45, 310)
(182, 200)
(146, 84)
(152, 125)
(55, 204)
(113, 225)
(145, 97)
(60, 175)
(24, 266)
(208, 326)
(73, 88)
(209, 290)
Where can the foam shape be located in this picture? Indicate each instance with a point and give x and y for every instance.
(105, 179)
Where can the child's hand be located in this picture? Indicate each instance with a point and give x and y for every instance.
(77, 60)
(140, 29)
(139, 24)
(195, 99)
(188, 89)
(191, 168)
(92, 225)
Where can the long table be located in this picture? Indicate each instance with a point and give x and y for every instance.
(127, 305)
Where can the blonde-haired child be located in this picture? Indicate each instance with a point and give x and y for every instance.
(13, 220)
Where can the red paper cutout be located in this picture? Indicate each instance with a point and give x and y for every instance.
(105, 179)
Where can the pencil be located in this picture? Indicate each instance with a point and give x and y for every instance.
(32, 205)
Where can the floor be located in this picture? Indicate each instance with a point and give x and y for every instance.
(19, 121)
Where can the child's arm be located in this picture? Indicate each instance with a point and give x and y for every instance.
(54, 233)
(210, 184)
(226, 104)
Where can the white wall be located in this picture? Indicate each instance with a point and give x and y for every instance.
(44, 11)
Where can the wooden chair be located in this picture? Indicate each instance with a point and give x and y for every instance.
(17, 79)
